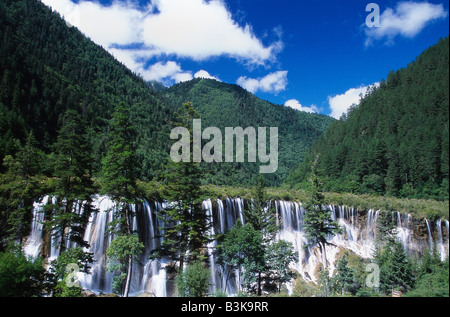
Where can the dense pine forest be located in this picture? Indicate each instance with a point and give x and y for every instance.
(48, 68)
(395, 142)
(75, 123)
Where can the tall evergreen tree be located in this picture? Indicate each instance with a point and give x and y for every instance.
(74, 187)
(119, 182)
(318, 224)
(19, 187)
(186, 221)
(261, 217)
(344, 277)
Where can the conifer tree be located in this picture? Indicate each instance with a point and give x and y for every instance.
(119, 182)
(317, 220)
(345, 276)
(74, 185)
(186, 221)
(19, 187)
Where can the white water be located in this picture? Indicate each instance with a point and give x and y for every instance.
(149, 276)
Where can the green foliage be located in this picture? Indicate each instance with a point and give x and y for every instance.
(396, 270)
(432, 279)
(20, 186)
(243, 251)
(260, 214)
(186, 221)
(194, 281)
(60, 271)
(318, 223)
(20, 276)
(119, 164)
(121, 252)
(279, 256)
(74, 187)
(222, 105)
(396, 141)
(344, 279)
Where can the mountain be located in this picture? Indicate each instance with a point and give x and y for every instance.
(48, 68)
(396, 142)
(223, 105)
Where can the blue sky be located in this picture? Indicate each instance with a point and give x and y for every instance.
(315, 56)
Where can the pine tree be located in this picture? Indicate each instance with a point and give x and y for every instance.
(345, 276)
(19, 187)
(260, 214)
(119, 182)
(74, 187)
(186, 222)
(261, 217)
(319, 225)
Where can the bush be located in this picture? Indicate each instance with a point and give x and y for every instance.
(194, 281)
(20, 276)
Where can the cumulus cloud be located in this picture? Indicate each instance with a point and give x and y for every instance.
(119, 23)
(407, 20)
(165, 72)
(340, 104)
(194, 29)
(198, 29)
(273, 82)
(295, 104)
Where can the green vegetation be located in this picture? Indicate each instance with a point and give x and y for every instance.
(19, 275)
(119, 182)
(262, 262)
(74, 122)
(222, 105)
(186, 222)
(317, 220)
(194, 281)
(396, 142)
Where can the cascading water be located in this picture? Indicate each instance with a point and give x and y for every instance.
(33, 244)
(149, 275)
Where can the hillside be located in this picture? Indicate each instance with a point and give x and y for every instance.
(47, 68)
(396, 142)
(223, 105)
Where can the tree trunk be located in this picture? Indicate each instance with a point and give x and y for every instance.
(259, 284)
(130, 258)
(128, 280)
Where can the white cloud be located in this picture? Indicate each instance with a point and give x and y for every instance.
(120, 23)
(194, 29)
(407, 20)
(167, 73)
(204, 74)
(295, 104)
(273, 82)
(340, 104)
(198, 29)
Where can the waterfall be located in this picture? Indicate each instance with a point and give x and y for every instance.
(33, 243)
(430, 236)
(149, 275)
(97, 237)
(207, 205)
(440, 243)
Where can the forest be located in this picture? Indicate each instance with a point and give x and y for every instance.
(75, 123)
(395, 143)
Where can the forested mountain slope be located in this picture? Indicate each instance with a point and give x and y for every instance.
(48, 68)
(223, 105)
(396, 141)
